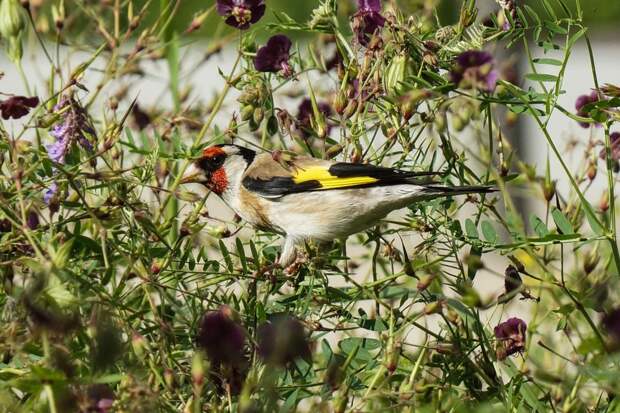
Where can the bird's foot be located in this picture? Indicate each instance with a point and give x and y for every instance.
(294, 268)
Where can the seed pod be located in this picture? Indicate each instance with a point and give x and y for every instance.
(440, 122)
(333, 151)
(458, 123)
(340, 102)
(258, 115)
(350, 109)
(395, 74)
(247, 112)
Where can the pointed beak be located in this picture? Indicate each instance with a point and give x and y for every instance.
(193, 174)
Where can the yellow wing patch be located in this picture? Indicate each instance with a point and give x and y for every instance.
(329, 181)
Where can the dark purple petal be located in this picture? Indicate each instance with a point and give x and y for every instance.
(615, 148)
(366, 24)
(510, 335)
(580, 104)
(32, 219)
(305, 115)
(274, 56)
(17, 106)
(85, 143)
(105, 405)
(221, 337)
(224, 7)
(282, 341)
(241, 13)
(611, 323)
(369, 5)
(475, 69)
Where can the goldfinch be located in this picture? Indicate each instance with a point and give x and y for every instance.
(308, 198)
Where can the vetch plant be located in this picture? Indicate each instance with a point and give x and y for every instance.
(124, 288)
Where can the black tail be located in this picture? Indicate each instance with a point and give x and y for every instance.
(439, 190)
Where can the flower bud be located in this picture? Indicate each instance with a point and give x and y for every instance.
(425, 282)
(591, 172)
(247, 112)
(258, 115)
(340, 102)
(603, 204)
(440, 122)
(198, 370)
(548, 189)
(590, 261)
(32, 219)
(138, 344)
(12, 24)
(233, 127)
(433, 308)
(169, 378)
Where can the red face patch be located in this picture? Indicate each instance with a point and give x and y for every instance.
(212, 151)
(218, 182)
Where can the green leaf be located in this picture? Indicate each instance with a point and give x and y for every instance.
(226, 255)
(470, 229)
(562, 223)
(538, 226)
(241, 254)
(488, 231)
(541, 77)
(548, 61)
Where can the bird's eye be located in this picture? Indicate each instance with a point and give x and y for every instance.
(213, 163)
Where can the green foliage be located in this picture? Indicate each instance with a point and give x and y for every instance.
(109, 264)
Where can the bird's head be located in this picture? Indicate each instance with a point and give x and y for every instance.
(219, 167)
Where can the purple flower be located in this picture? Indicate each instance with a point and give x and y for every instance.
(17, 106)
(74, 126)
(51, 192)
(222, 338)
(100, 398)
(368, 20)
(273, 57)
(50, 197)
(611, 323)
(510, 337)
(615, 148)
(241, 13)
(580, 104)
(282, 340)
(509, 8)
(58, 150)
(475, 69)
(32, 219)
(305, 115)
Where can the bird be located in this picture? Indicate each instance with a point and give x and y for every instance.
(310, 199)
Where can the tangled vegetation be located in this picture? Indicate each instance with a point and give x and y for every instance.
(124, 290)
